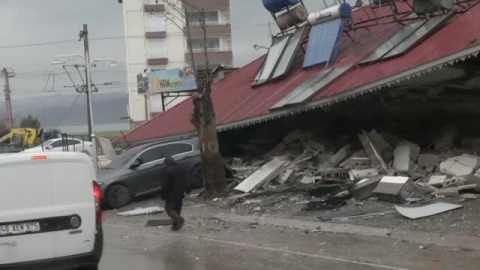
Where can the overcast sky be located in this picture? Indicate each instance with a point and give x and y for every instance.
(43, 21)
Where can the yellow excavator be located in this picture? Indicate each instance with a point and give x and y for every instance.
(28, 135)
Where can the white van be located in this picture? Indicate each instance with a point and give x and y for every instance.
(50, 216)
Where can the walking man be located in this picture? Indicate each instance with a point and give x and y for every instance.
(174, 186)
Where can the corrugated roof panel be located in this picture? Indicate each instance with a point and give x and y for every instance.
(271, 62)
(390, 44)
(290, 52)
(324, 43)
(312, 86)
(420, 34)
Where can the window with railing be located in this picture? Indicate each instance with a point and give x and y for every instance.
(212, 18)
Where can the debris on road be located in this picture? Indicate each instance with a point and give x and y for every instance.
(262, 176)
(158, 222)
(422, 211)
(342, 214)
(142, 211)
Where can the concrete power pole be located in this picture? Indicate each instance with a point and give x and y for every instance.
(8, 99)
(84, 35)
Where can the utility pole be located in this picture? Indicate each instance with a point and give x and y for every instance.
(84, 35)
(8, 98)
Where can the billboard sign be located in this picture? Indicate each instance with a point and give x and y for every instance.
(172, 80)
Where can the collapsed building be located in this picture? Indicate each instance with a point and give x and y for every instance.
(383, 98)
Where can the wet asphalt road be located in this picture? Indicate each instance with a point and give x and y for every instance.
(130, 247)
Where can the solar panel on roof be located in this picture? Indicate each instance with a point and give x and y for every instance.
(312, 86)
(422, 32)
(408, 37)
(289, 54)
(273, 56)
(324, 43)
(391, 43)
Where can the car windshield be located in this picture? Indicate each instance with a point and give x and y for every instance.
(46, 143)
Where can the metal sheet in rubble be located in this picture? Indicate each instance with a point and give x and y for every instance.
(426, 210)
(271, 61)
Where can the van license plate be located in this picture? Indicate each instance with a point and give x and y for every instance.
(20, 228)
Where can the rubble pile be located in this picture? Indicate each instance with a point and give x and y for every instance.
(378, 165)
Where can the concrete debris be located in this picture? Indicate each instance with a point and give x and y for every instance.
(454, 182)
(468, 196)
(448, 192)
(426, 210)
(307, 179)
(341, 155)
(316, 146)
(263, 175)
(437, 180)
(390, 188)
(459, 165)
(360, 163)
(405, 155)
(361, 174)
(364, 188)
(142, 211)
(381, 145)
(428, 162)
(278, 150)
(329, 204)
(372, 153)
(286, 176)
(252, 201)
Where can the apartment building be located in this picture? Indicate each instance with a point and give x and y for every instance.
(155, 32)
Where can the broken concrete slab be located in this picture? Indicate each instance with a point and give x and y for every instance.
(372, 153)
(329, 204)
(342, 214)
(390, 188)
(262, 176)
(341, 155)
(437, 180)
(365, 188)
(285, 176)
(428, 162)
(361, 174)
(360, 163)
(469, 196)
(459, 165)
(307, 179)
(450, 133)
(447, 192)
(426, 210)
(142, 211)
(381, 145)
(454, 182)
(316, 146)
(404, 156)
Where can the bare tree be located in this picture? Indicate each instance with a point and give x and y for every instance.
(203, 114)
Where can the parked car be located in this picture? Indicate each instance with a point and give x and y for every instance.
(62, 145)
(139, 170)
(50, 214)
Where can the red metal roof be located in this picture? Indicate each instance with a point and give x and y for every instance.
(235, 100)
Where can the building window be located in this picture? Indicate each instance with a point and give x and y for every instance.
(213, 45)
(211, 18)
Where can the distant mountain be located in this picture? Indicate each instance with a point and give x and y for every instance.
(71, 110)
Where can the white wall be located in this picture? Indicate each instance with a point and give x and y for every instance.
(135, 54)
(154, 22)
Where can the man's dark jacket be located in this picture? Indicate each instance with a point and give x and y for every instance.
(174, 184)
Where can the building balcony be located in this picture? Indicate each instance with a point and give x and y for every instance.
(154, 8)
(157, 61)
(155, 34)
(207, 5)
(215, 56)
(214, 29)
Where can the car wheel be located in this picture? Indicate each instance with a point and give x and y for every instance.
(197, 176)
(118, 196)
